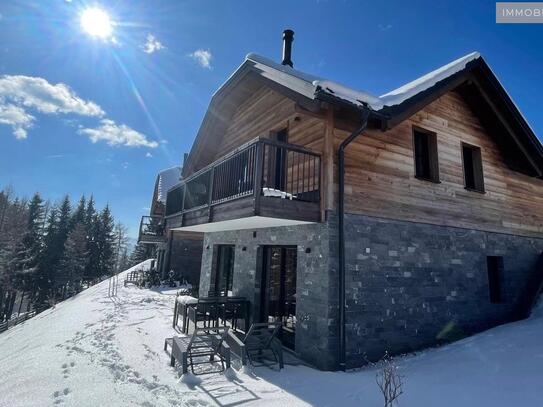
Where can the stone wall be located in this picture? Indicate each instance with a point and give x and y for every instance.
(410, 285)
(315, 329)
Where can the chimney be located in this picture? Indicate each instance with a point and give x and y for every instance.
(288, 37)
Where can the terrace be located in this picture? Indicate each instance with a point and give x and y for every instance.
(264, 183)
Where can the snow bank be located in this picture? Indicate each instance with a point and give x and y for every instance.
(95, 350)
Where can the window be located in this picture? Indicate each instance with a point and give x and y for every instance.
(494, 265)
(473, 168)
(224, 270)
(425, 150)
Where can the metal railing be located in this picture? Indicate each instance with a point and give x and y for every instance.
(4, 326)
(151, 226)
(261, 167)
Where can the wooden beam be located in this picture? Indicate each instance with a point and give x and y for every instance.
(505, 124)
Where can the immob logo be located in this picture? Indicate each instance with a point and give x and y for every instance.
(524, 13)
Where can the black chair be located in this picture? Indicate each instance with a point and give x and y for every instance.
(202, 347)
(262, 346)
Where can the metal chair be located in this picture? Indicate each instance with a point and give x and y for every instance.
(202, 347)
(261, 343)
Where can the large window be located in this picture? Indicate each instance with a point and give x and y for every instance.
(494, 266)
(425, 150)
(473, 168)
(224, 270)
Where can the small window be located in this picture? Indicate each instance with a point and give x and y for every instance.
(224, 270)
(494, 265)
(473, 168)
(425, 150)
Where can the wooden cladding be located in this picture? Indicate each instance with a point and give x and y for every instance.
(381, 181)
(425, 152)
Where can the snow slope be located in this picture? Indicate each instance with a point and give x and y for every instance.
(94, 350)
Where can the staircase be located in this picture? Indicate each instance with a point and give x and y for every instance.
(534, 287)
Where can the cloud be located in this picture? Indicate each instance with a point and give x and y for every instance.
(203, 57)
(117, 135)
(16, 117)
(152, 45)
(149, 155)
(384, 27)
(19, 94)
(38, 94)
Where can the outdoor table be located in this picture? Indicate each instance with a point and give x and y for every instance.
(219, 302)
(180, 306)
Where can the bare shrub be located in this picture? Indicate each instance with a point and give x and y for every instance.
(390, 381)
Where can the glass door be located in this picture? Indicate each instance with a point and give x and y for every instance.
(279, 290)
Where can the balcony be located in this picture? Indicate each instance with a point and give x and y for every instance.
(261, 184)
(151, 230)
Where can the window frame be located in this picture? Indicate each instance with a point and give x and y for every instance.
(218, 275)
(433, 154)
(477, 172)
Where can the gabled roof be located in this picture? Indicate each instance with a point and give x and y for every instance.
(470, 74)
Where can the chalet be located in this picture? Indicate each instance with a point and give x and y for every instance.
(365, 223)
(174, 250)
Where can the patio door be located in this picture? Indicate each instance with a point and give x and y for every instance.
(279, 290)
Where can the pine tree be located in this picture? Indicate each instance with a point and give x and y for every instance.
(106, 242)
(75, 259)
(93, 258)
(28, 251)
(55, 239)
(80, 212)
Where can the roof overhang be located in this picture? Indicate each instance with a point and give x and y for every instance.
(251, 222)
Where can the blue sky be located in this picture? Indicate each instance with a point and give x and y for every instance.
(82, 115)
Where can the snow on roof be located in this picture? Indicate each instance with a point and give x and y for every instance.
(293, 78)
(166, 180)
(410, 89)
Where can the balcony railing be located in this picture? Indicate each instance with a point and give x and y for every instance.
(262, 169)
(151, 229)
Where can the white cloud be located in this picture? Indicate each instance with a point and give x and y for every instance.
(116, 135)
(203, 57)
(149, 155)
(38, 94)
(16, 117)
(384, 27)
(152, 45)
(21, 95)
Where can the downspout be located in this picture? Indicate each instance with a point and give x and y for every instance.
(341, 215)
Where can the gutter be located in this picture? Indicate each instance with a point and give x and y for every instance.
(341, 216)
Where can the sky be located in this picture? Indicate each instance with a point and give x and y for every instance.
(87, 110)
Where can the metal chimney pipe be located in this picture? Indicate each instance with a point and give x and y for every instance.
(288, 37)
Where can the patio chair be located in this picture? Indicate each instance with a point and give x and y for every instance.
(262, 345)
(203, 347)
(206, 310)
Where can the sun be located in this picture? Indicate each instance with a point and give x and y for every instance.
(96, 22)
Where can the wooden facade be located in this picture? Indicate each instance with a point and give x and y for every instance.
(380, 175)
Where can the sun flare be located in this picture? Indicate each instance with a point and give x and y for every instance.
(96, 22)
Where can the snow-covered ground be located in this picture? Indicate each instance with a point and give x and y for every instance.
(95, 350)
